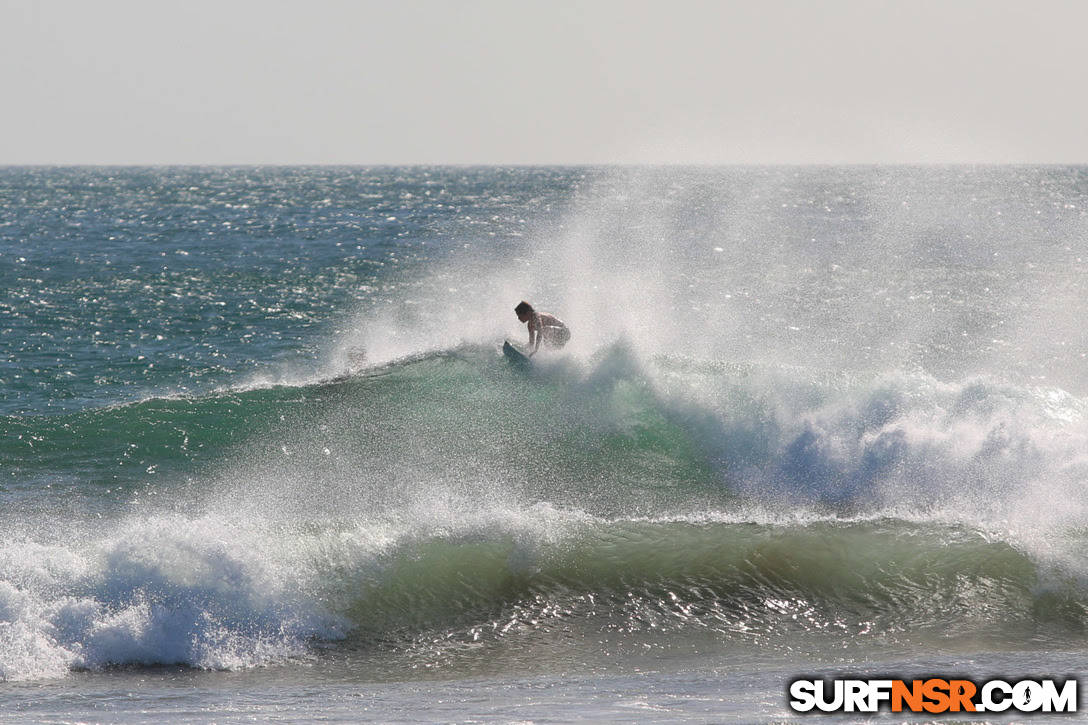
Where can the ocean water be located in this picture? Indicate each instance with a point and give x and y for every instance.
(261, 456)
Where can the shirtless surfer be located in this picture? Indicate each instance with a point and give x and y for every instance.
(543, 327)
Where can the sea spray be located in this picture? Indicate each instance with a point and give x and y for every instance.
(807, 416)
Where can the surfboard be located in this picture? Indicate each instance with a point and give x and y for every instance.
(513, 355)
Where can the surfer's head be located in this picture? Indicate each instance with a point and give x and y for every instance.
(523, 310)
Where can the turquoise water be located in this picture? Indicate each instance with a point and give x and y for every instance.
(262, 455)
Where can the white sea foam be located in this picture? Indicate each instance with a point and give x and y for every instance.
(155, 590)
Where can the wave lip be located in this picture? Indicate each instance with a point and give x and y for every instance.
(215, 593)
(881, 575)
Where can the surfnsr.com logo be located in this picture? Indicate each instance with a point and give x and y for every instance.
(933, 695)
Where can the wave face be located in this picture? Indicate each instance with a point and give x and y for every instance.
(728, 458)
(450, 506)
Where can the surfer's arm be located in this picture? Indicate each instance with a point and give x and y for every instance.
(534, 337)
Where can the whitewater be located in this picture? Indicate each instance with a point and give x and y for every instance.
(262, 456)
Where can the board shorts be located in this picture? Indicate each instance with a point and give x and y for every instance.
(555, 336)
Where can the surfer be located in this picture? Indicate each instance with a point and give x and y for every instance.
(543, 327)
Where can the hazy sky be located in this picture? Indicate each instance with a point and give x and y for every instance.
(527, 81)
